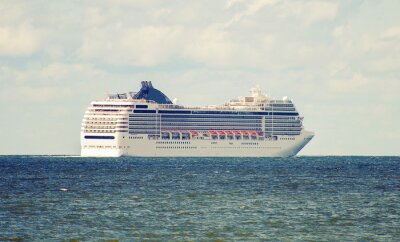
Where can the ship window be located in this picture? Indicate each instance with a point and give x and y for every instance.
(144, 111)
(141, 106)
(176, 111)
(98, 137)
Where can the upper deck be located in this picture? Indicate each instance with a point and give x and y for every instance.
(256, 101)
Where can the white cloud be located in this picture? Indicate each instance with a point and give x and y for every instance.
(337, 67)
(11, 12)
(94, 17)
(393, 32)
(338, 31)
(318, 11)
(231, 3)
(120, 43)
(384, 64)
(57, 71)
(31, 94)
(212, 47)
(50, 74)
(137, 46)
(355, 84)
(382, 42)
(20, 40)
(309, 12)
(251, 9)
(359, 86)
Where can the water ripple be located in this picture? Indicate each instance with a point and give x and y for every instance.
(301, 198)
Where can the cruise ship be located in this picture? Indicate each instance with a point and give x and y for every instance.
(148, 124)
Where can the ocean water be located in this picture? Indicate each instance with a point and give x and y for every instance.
(47, 198)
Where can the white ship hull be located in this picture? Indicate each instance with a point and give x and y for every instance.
(141, 146)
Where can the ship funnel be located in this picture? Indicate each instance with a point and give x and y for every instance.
(150, 93)
(147, 84)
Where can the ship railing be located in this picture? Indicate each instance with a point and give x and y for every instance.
(210, 134)
(174, 106)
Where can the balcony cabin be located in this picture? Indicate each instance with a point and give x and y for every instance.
(165, 135)
(194, 134)
(176, 135)
(185, 135)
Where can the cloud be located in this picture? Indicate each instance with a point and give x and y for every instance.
(309, 12)
(360, 87)
(136, 46)
(94, 17)
(355, 84)
(111, 41)
(51, 82)
(20, 40)
(385, 64)
(392, 33)
(337, 67)
(338, 31)
(49, 74)
(212, 47)
(318, 11)
(250, 10)
(33, 94)
(231, 3)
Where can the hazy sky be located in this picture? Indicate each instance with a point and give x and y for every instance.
(338, 60)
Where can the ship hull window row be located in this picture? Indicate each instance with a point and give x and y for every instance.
(98, 137)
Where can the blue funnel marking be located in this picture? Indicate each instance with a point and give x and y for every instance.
(149, 93)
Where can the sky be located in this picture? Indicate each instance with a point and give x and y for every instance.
(339, 61)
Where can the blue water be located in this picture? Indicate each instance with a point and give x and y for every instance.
(125, 199)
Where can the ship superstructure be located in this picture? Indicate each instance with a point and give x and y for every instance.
(148, 123)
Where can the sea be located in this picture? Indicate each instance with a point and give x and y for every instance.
(327, 198)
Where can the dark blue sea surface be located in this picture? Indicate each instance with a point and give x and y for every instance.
(47, 198)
